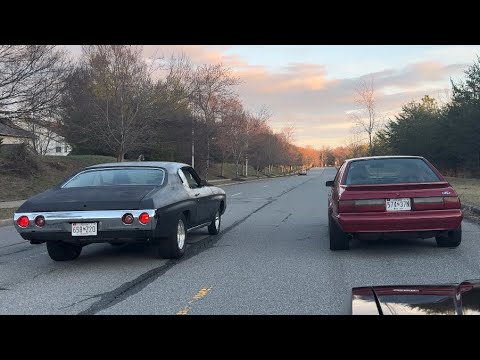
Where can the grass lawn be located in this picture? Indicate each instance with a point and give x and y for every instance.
(467, 189)
(55, 169)
(7, 213)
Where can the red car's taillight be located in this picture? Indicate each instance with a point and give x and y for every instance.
(451, 202)
(362, 205)
(436, 203)
(144, 218)
(23, 221)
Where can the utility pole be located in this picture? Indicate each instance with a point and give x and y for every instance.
(193, 142)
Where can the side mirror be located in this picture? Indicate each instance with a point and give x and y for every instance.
(329, 183)
(204, 183)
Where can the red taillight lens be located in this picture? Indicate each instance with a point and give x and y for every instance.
(361, 205)
(127, 219)
(144, 218)
(23, 221)
(451, 202)
(40, 221)
(345, 206)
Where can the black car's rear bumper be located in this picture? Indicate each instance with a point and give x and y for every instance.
(110, 227)
(104, 236)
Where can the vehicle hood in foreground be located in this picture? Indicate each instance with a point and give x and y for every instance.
(447, 299)
(87, 198)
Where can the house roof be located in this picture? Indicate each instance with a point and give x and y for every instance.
(8, 129)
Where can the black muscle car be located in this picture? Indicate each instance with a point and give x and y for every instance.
(444, 299)
(155, 202)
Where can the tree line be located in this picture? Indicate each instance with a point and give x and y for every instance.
(447, 134)
(111, 101)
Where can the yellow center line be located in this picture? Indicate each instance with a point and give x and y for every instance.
(199, 295)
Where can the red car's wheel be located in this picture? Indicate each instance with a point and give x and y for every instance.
(452, 238)
(338, 239)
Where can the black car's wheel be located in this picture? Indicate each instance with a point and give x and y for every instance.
(338, 239)
(61, 251)
(173, 246)
(214, 227)
(452, 238)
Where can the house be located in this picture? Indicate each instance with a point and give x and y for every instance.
(11, 134)
(44, 141)
(47, 142)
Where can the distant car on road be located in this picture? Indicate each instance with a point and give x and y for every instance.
(392, 196)
(155, 202)
(302, 172)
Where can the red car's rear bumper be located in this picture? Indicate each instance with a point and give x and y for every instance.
(401, 221)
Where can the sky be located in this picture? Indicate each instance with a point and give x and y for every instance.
(312, 87)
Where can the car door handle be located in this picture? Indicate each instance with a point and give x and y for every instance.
(197, 194)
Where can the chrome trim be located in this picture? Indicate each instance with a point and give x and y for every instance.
(108, 220)
(197, 227)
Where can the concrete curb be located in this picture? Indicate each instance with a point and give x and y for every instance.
(11, 204)
(7, 222)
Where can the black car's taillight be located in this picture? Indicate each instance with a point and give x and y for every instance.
(144, 218)
(127, 219)
(40, 221)
(23, 221)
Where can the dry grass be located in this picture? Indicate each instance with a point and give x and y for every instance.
(7, 213)
(467, 189)
(229, 171)
(53, 170)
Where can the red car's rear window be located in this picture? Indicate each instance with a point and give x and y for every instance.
(389, 171)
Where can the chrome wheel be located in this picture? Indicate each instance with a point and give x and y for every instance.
(181, 235)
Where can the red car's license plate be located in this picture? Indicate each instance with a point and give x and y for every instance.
(398, 204)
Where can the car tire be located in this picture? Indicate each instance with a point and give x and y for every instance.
(338, 239)
(214, 227)
(173, 246)
(62, 251)
(453, 238)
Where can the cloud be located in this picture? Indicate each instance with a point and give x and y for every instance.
(302, 93)
(293, 78)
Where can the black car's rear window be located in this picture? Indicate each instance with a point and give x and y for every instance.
(115, 177)
(389, 171)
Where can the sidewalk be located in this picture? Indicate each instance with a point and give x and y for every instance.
(11, 204)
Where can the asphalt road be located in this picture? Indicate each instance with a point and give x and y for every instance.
(272, 257)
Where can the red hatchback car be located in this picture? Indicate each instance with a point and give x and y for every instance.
(392, 196)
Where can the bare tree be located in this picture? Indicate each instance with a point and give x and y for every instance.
(366, 118)
(111, 99)
(31, 80)
(212, 84)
